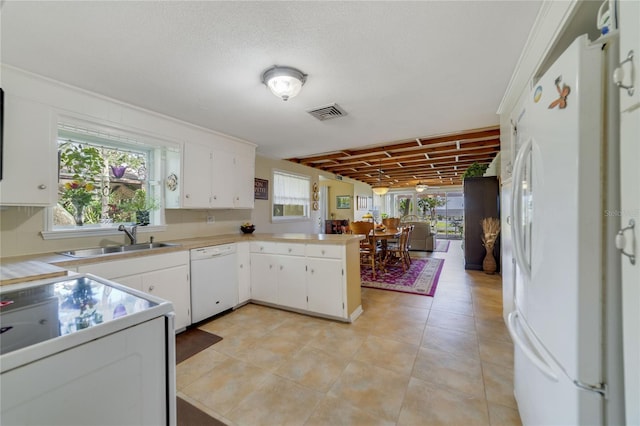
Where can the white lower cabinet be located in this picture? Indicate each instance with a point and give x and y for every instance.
(171, 284)
(264, 278)
(325, 287)
(292, 273)
(298, 276)
(244, 272)
(163, 275)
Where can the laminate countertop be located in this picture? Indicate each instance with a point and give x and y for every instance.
(47, 265)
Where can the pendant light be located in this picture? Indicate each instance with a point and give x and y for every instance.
(420, 187)
(379, 188)
(284, 82)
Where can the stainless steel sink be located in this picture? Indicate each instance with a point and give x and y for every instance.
(99, 251)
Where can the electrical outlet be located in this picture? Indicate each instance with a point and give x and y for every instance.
(211, 219)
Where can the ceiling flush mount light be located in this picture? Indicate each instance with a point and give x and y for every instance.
(420, 187)
(379, 188)
(284, 82)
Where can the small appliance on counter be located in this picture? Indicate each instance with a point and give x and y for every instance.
(84, 350)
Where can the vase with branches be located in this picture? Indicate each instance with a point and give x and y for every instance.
(490, 231)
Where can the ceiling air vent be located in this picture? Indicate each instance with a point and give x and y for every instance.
(327, 112)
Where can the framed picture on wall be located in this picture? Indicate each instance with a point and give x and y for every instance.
(260, 189)
(343, 202)
(362, 202)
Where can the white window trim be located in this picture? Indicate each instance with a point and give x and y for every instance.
(97, 231)
(285, 219)
(148, 140)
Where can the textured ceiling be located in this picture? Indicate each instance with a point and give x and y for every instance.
(401, 70)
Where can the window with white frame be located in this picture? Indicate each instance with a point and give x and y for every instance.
(105, 180)
(291, 196)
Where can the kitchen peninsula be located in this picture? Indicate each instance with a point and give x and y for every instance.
(314, 274)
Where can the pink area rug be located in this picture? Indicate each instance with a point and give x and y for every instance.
(442, 245)
(421, 277)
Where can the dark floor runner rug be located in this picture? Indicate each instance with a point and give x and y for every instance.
(192, 341)
(189, 343)
(188, 415)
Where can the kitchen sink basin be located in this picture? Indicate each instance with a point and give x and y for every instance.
(99, 251)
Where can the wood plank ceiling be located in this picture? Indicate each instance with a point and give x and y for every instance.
(434, 161)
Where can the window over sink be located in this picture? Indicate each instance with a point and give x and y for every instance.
(106, 177)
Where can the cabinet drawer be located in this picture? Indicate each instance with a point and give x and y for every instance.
(324, 250)
(290, 249)
(138, 265)
(263, 247)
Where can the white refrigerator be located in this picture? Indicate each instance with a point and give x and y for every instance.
(558, 318)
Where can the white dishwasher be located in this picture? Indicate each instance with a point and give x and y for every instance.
(214, 281)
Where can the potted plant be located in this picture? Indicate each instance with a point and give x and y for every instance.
(475, 170)
(84, 164)
(142, 205)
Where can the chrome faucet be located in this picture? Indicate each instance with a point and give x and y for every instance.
(132, 235)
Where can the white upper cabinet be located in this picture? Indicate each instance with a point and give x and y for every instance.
(218, 177)
(196, 178)
(29, 174)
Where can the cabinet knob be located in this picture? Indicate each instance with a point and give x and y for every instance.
(42, 186)
(289, 250)
(241, 266)
(215, 197)
(322, 252)
(187, 196)
(151, 287)
(312, 271)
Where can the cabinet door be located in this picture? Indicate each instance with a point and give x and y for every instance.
(223, 179)
(325, 287)
(196, 176)
(630, 205)
(629, 35)
(264, 278)
(29, 164)
(131, 281)
(171, 284)
(292, 291)
(244, 181)
(244, 272)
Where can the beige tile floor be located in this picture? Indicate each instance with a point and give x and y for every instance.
(408, 360)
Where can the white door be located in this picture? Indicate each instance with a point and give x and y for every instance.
(325, 285)
(244, 272)
(629, 18)
(196, 176)
(171, 284)
(292, 286)
(508, 267)
(264, 278)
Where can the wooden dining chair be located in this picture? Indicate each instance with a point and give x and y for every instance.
(391, 222)
(396, 252)
(408, 244)
(368, 249)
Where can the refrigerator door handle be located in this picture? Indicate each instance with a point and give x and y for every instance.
(516, 208)
(527, 348)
